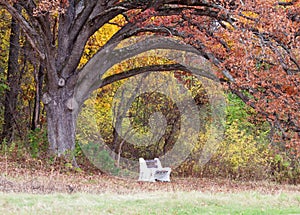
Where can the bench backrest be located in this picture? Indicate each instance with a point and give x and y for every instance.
(151, 164)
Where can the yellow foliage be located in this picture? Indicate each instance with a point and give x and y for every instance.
(250, 14)
(228, 25)
(148, 58)
(240, 150)
(101, 37)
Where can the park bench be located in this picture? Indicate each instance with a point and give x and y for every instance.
(151, 170)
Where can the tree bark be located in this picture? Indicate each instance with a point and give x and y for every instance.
(61, 121)
(11, 95)
(39, 77)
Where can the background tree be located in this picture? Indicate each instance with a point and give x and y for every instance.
(4, 52)
(13, 81)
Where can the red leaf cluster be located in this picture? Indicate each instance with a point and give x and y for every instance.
(257, 42)
(51, 6)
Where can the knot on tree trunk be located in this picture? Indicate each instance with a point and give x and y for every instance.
(72, 104)
(61, 82)
(46, 99)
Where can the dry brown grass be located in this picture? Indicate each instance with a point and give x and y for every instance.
(33, 176)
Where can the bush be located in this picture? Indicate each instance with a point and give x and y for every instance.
(241, 156)
(37, 142)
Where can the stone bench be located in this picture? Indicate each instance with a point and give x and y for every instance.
(152, 170)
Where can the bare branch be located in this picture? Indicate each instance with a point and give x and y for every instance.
(91, 74)
(104, 13)
(287, 3)
(153, 68)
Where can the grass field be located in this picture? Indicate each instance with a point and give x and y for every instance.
(151, 203)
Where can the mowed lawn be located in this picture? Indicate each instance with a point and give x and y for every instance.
(151, 203)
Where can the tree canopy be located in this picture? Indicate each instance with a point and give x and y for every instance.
(254, 45)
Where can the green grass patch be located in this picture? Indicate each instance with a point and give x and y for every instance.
(151, 203)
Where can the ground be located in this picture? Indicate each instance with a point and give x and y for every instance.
(59, 189)
(33, 176)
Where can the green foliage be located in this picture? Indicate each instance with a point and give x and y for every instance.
(37, 142)
(244, 151)
(100, 157)
(285, 167)
(107, 163)
(7, 149)
(236, 110)
(15, 150)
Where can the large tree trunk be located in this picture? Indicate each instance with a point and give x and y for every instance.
(61, 122)
(11, 95)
